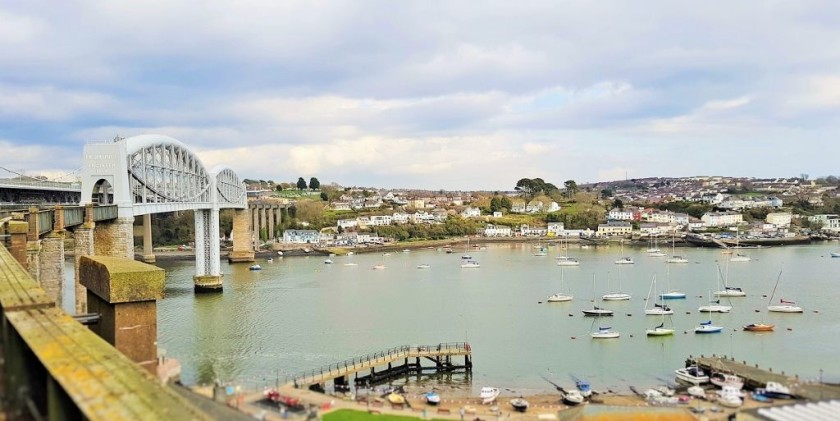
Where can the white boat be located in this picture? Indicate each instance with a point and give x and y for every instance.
(653, 246)
(660, 330)
(351, 264)
(726, 379)
(567, 261)
(727, 290)
(572, 397)
(432, 398)
(468, 264)
(730, 397)
(674, 257)
(615, 296)
(624, 260)
(605, 333)
(693, 374)
(777, 390)
(657, 309)
(489, 394)
(424, 266)
(707, 327)
(595, 310)
(280, 253)
(519, 404)
(696, 392)
(406, 251)
(715, 307)
(560, 297)
(657, 254)
(541, 251)
(328, 261)
(784, 305)
(740, 258)
(834, 254)
(255, 267)
(378, 267)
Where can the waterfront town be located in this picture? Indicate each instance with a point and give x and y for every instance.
(726, 206)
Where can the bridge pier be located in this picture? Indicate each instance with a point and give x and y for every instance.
(114, 238)
(124, 291)
(208, 277)
(51, 261)
(242, 251)
(83, 238)
(148, 247)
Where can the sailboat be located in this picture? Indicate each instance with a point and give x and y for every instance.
(655, 251)
(560, 297)
(624, 260)
(605, 333)
(708, 327)
(738, 257)
(565, 260)
(674, 257)
(671, 294)
(727, 290)
(615, 296)
(761, 326)
(784, 305)
(660, 330)
(541, 250)
(596, 311)
(658, 309)
(714, 307)
(467, 261)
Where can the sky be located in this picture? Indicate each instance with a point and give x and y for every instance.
(467, 95)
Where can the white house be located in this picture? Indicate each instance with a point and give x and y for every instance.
(614, 228)
(534, 206)
(517, 207)
(722, 219)
(471, 212)
(779, 219)
(399, 218)
(301, 236)
(491, 230)
(380, 220)
(830, 222)
(555, 229)
(339, 206)
(617, 214)
(527, 231)
(553, 207)
(497, 214)
(347, 223)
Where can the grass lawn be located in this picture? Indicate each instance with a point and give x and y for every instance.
(351, 415)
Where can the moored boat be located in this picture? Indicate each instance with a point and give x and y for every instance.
(730, 396)
(583, 387)
(255, 267)
(672, 295)
(597, 311)
(424, 266)
(470, 264)
(572, 397)
(378, 267)
(759, 327)
(489, 394)
(707, 327)
(835, 254)
(727, 380)
(605, 333)
(396, 398)
(519, 404)
(432, 397)
(692, 374)
(785, 307)
(660, 330)
(776, 390)
(625, 261)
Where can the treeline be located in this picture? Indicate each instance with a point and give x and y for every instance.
(453, 227)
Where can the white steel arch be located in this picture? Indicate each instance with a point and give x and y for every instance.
(154, 174)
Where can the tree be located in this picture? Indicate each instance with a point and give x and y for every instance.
(506, 203)
(301, 183)
(325, 197)
(314, 184)
(617, 203)
(278, 187)
(571, 188)
(606, 193)
(525, 185)
(495, 204)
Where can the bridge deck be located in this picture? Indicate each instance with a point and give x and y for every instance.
(368, 362)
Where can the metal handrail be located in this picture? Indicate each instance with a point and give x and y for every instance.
(41, 183)
(352, 363)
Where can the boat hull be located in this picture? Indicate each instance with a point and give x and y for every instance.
(759, 327)
(660, 332)
(785, 309)
(596, 313)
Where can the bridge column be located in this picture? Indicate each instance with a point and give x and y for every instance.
(255, 225)
(51, 260)
(33, 245)
(271, 224)
(17, 231)
(124, 291)
(263, 222)
(83, 239)
(208, 277)
(115, 238)
(242, 251)
(148, 246)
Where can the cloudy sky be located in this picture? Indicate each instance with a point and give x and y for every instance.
(428, 94)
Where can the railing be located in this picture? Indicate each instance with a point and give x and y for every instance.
(103, 213)
(45, 221)
(41, 184)
(404, 351)
(73, 216)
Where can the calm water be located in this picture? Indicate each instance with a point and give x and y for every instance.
(298, 313)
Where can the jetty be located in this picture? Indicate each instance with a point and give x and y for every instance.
(755, 377)
(383, 365)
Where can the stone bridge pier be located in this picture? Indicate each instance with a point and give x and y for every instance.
(265, 215)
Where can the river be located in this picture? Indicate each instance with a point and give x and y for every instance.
(299, 313)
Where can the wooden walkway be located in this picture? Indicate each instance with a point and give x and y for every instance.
(440, 354)
(758, 377)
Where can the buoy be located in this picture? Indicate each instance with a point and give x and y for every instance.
(631, 336)
(571, 315)
(757, 311)
(764, 295)
(685, 332)
(789, 328)
(816, 311)
(574, 337)
(629, 314)
(539, 302)
(687, 312)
